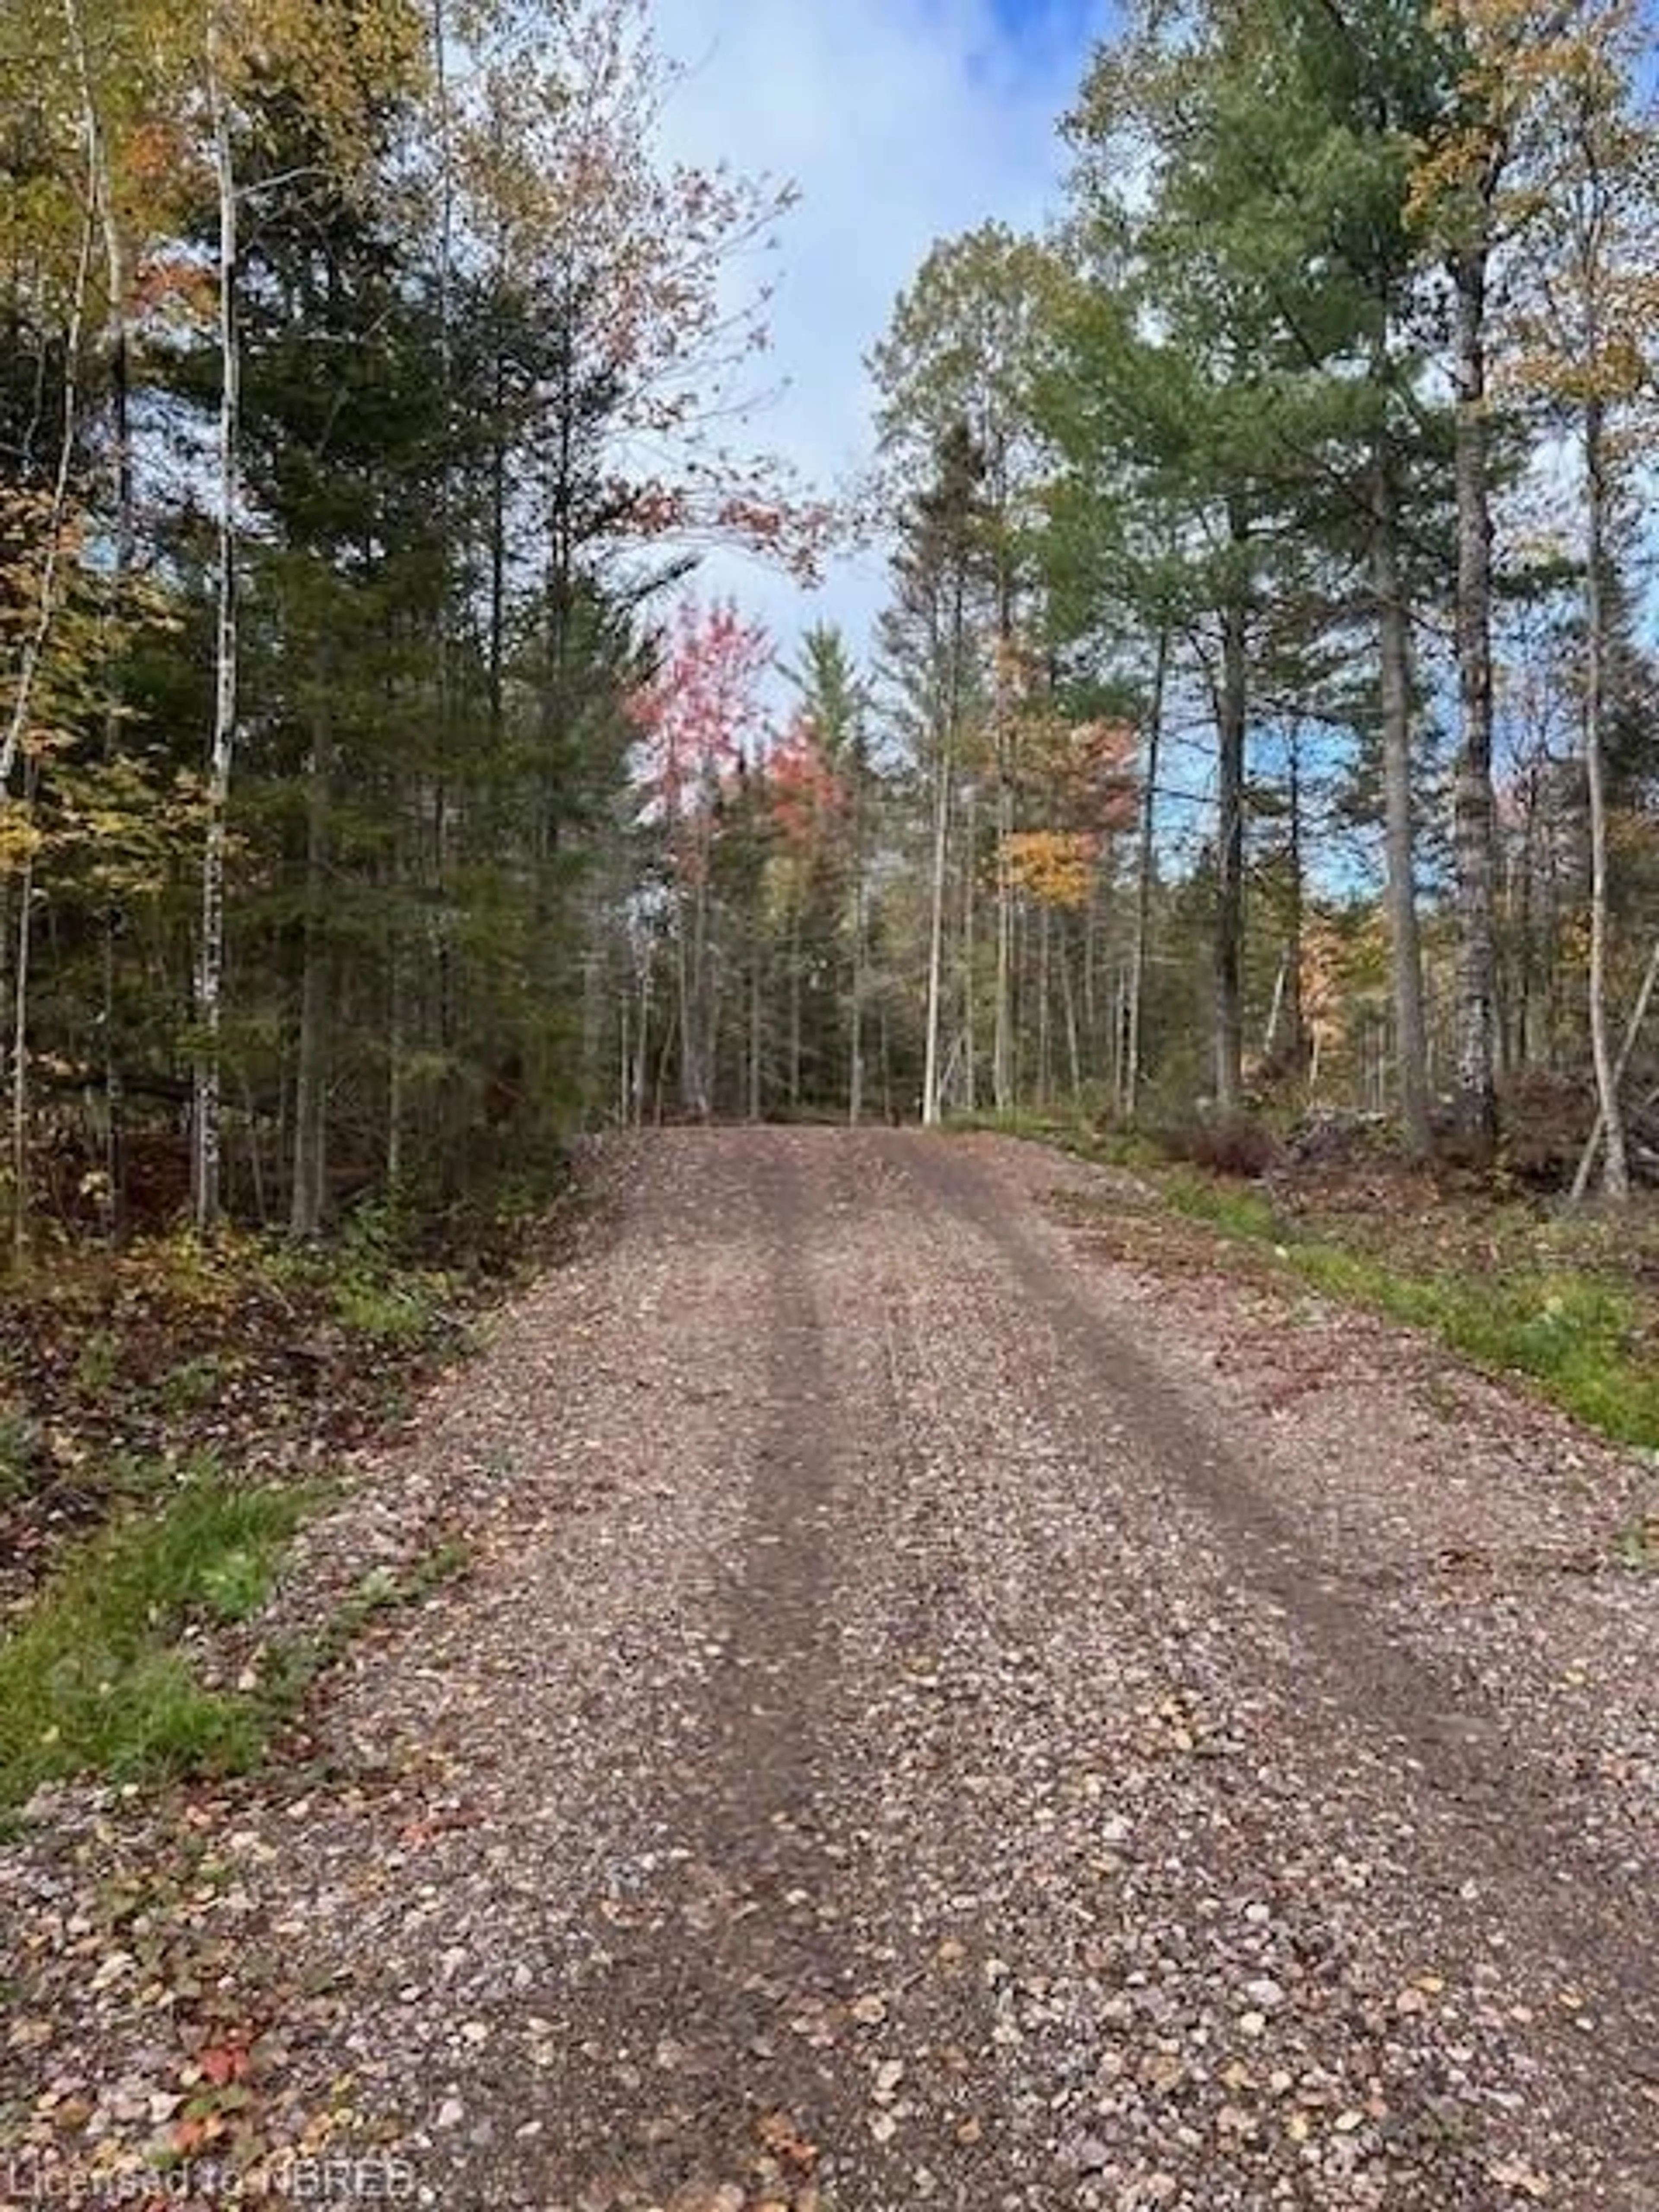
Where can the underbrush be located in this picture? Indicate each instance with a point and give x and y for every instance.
(1070, 1131)
(169, 1413)
(1506, 1291)
(269, 1354)
(266, 1357)
(1590, 1345)
(103, 1673)
(1227, 1145)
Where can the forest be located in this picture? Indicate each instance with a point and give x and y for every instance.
(1262, 719)
(829, 1342)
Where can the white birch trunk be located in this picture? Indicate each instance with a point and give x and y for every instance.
(1615, 1169)
(208, 1128)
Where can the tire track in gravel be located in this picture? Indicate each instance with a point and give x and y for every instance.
(972, 1892)
(1024, 1727)
(1453, 1735)
(1487, 1857)
(724, 2025)
(932, 1769)
(570, 1708)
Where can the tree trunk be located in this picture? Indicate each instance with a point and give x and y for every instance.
(1294, 1012)
(19, 1027)
(1045, 1025)
(123, 544)
(642, 1051)
(931, 1057)
(1002, 1036)
(38, 635)
(754, 1031)
(795, 963)
(855, 1012)
(1135, 1014)
(497, 647)
(397, 1028)
(1615, 1168)
(1394, 629)
(969, 893)
(305, 1200)
(1232, 709)
(1068, 1010)
(207, 1129)
(1626, 1053)
(1473, 825)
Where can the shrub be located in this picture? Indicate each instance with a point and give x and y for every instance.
(1225, 1143)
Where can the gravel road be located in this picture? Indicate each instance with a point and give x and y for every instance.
(941, 1718)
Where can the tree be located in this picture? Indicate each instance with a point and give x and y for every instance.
(340, 58)
(1588, 342)
(929, 638)
(835, 708)
(698, 717)
(383, 402)
(960, 359)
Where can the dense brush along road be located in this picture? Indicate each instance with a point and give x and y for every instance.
(941, 1716)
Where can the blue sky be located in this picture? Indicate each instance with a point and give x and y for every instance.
(1044, 31)
(903, 122)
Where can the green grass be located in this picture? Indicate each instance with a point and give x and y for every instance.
(1581, 1337)
(385, 1314)
(195, 1383)
(93, 1678)
(1237, 1209)
(1068, 1131)
(373, 1290)
(20, 1438)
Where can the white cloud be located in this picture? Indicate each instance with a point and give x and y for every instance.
(902, 122)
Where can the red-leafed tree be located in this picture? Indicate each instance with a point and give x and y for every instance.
(700, 708)
(701, 719)
(804, 787)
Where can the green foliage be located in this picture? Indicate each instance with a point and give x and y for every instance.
(1584, 1339)
(91, 1675)
(1074, 1128)
(375, 1293)
(20, 1443)
(1225, 1203)
(485, 365)
(1573, 1323)
(95, 1369)
(195, 1383)
(388, 1313)
(365, 1279)
(96, 1674)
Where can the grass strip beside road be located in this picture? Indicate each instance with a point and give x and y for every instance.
(96, 1673)
(1566, 1302)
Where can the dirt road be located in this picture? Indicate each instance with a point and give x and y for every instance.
(939, 1718)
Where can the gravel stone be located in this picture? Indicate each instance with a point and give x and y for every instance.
(935, 1714)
